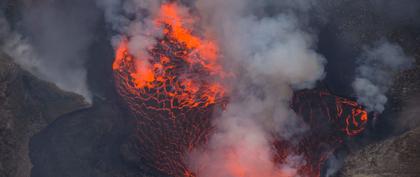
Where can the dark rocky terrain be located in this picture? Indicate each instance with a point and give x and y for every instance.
(45, 132)
(27, 105)
(396, 157)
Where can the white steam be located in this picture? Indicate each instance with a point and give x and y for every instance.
(55, 46)
(374, 77)
(16, 46)
(273, 56)
(132, 19)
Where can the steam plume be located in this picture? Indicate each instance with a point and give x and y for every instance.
(131, 19)
(273, 56)
(378, 64)
(53, 43)
(267, 44)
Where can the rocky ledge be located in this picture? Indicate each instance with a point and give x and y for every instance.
(27, 105)
(395, 157)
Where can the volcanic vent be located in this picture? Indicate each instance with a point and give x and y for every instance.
(176, 84)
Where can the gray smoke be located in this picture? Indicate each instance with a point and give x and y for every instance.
(54, 42)
(273, 56)
(374, 77)
(334, 164)
(16, 46)
(132, 20)
(272, 47)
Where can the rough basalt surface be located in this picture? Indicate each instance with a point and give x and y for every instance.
(27, 105)
(395, 157)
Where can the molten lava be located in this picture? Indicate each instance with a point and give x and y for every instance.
(331, 119)
(173, 88)
(182, 70)
(321, 108)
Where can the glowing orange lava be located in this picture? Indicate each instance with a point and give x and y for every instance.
(171, 91)
(182, 71)
(181, 79)
(331, 118)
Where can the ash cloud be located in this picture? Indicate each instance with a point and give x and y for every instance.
(52, 41)
(374, 76)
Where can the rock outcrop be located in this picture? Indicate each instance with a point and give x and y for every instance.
(395, 157)
(27, 105)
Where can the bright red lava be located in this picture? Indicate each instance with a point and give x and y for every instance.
(175, 87)
(172, 90)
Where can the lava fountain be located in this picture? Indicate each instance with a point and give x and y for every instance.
(174, 87)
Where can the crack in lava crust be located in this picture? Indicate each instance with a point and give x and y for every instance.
(172, 91)
(331, 119)
(174, 88)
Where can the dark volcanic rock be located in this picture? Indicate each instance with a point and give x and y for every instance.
(396, 157)
(27, 105)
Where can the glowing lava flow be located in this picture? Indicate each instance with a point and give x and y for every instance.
(331, 119)
(316, 108)
(172, 90)
(182, 71)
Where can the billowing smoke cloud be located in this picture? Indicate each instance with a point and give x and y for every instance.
(273, 56)
(374, 77)
(271, 50)
(132, 20)
(53, 42)
(270, 54)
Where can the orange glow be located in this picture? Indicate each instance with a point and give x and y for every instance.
(119, 55)
(170, 15)
(356, 120)
(183, 78)
(177, 78)
(321, 109)
(182, 74)
(144, 75)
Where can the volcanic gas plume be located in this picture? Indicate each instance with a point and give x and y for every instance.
(177, 87)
